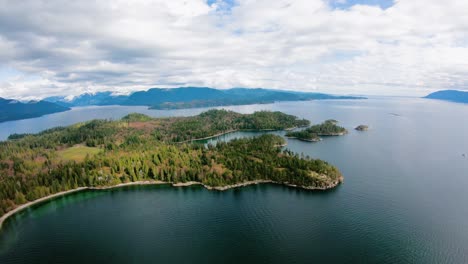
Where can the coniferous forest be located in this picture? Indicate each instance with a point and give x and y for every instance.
(138, 148)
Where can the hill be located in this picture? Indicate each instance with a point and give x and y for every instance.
(14, 110)
(449, 95)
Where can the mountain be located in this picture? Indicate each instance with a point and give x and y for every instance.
(59, 100)
(450, 95)
(14, 110)
(100, 98)
(184, 94)
(189, 97)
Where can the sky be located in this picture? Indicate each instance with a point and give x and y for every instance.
(368, 47)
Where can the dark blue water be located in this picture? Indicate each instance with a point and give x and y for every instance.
(403, 201)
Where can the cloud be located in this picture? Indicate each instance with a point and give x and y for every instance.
(405, 47)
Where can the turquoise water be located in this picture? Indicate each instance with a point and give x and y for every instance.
(403, 201)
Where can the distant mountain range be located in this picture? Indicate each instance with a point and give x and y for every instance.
(158, 98)
(14, 110)
(450, 95)
(189, 97)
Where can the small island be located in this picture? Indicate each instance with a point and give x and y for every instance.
(362, 128)
(139, 149)
(313, 133)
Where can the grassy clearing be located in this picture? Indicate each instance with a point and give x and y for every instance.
(78, 153)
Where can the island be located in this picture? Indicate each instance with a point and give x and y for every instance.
(312, 134)
(362, 128)
(139, 149)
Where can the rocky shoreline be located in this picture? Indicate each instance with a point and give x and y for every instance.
(20, 208)
(307, 139)
(362, 128)
(4, 217)
(333, 134)
(237, 130)
(209, 137)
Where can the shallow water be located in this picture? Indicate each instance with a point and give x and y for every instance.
(403, 200)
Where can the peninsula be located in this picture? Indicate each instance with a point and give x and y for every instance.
(138, 148)
(313, 133)
(14, 110)
(450, 95)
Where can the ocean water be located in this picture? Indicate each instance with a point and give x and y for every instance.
(403, 199)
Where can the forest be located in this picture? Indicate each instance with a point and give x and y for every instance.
(138, 147)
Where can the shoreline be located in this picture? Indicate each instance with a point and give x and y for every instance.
(306, 139)
(238, 130)
(37, 201)
(333, 134)
(209, 137)
(22, 207)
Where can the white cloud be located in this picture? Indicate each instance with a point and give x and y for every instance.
(412, 47)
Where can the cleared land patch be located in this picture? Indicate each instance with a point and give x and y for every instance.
(78, 153)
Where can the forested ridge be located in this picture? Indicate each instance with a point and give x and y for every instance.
(138, 147)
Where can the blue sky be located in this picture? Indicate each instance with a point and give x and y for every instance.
(404, 47)
(341, 4)
(227, 4)
(344, 4)
(7, 72)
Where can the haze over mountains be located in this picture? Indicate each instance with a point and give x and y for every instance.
(161, 98)
(158, 98)
(178, 98)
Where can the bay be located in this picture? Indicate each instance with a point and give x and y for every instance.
(403, 199)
